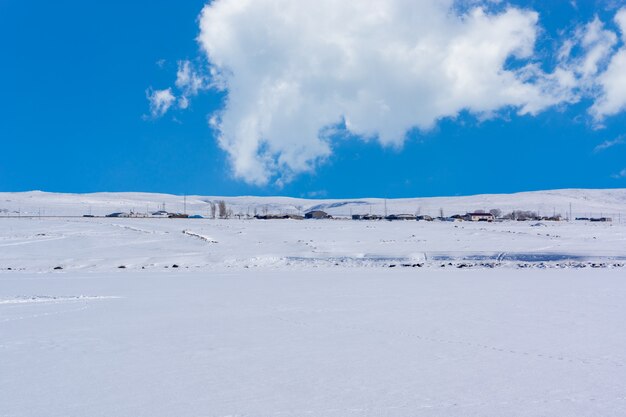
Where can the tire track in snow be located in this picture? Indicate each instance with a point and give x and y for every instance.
(84, 300)
(21, 300)
(28, 242)
(199, 236)
(45, 314)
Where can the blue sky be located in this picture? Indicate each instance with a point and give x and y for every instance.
(75, 116)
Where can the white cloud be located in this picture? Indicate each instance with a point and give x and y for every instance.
(597, 43)
(188, 80)
(292, 69)
(295, 73)
(583, 59)
(183, 102)
(612, 82)
(160, 101)
(620, 175)
(610, 143)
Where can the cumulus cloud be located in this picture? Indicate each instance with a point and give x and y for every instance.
(597, 43)
(296, 73)
(160, 101)
(613, 81)
(583, 60)
(377, 67)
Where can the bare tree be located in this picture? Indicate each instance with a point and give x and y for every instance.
(221, 209)
(521, 215)
(496, 212)
(213, 209)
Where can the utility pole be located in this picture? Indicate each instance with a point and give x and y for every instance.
(385, 207)
(570, 212)
(185, 204)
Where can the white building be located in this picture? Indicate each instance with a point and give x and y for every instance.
(480, 217)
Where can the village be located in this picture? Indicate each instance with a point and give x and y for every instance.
(219, 210)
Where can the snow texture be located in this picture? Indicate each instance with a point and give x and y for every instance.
(321, 318)
(321, 343)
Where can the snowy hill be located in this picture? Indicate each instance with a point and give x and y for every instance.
(584, 202)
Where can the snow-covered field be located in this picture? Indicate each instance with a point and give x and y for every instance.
(95, 244)
(215, 318)
(323, 343)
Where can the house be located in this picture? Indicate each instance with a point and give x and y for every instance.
(556, 218)
(278, 217)
(400, 217)
(317, 214)
(480, 217)
(137, 215)
(372, 217)
(118, 214)
(601, 219)
(267, 217)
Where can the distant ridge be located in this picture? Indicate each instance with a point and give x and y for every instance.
(584, 202)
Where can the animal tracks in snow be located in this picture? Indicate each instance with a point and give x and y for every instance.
(475, 345)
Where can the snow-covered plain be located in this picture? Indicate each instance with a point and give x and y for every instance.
(328, 318)
(95, 244)
(325, 342)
